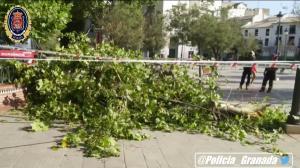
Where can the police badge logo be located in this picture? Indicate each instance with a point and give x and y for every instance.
(17, 24)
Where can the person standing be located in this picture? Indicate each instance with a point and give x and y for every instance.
(269, 76)
(253, 72)
(247, 73)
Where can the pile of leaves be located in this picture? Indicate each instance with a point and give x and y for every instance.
(104, 102)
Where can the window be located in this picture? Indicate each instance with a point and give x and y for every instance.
(266, 42)
(279, 30)
(299, 43)
(267, 32)
(291, 41)
(256, 32)
(246, 32)
(292, 29)
(276, 43)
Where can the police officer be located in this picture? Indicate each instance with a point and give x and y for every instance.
(247, 72)
(269, 75)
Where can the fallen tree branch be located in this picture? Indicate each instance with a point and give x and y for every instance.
(242, 108)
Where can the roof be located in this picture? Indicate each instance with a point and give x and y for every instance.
(248, 17)
(257, 25)
(232, 4)
(290, 18)
(268, 22)
(237, 4)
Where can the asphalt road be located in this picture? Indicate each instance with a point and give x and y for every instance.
(281, 94)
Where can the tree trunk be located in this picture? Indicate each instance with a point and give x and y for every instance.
(243, 109)
(216, 53)
(151, 53)
(199, 49)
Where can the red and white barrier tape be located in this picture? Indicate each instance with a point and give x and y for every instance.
(278, 64)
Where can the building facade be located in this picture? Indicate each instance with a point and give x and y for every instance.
(238, 11)
(268, 33)
(235, 9)
(171, 48)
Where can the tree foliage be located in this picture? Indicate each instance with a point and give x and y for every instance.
(121, 22)
(154, 30)
(108, 101)
(105, 101)
(179, 23)
(123, 25)
(211, 34)
(220, 37)
(49, 18)
(80, 12)
(245, 46)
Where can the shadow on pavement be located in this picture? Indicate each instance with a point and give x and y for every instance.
(24, 145)
(277, 96)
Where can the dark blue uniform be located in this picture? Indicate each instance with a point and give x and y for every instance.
(269, 75)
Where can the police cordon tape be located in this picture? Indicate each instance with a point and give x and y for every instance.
(75, 57)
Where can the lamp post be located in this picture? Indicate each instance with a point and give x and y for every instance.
(181, 55)
(294, 117)
(279, 16)
(286, 33)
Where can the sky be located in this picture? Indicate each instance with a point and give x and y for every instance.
(284, 6)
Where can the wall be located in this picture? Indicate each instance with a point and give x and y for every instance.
(291, 51)
(185, 51)
(7, 91)
(239, 11)
(166, 6)
(261, 15)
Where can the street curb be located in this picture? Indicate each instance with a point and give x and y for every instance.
(292, 129)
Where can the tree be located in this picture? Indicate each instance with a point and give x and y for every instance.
(49, 18)
(211, 34)
(214, 35)
(181, 17)
(197, 24)
(154, 35)
(81, 11)
(96, 11)
(221, 38)
(123, 25)
(245, 46)
(179, 23)
(199, 31)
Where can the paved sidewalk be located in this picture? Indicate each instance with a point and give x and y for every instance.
(22, 149)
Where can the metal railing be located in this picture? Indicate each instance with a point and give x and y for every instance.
(7, 74)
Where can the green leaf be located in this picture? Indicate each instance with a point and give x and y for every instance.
(39, 126)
